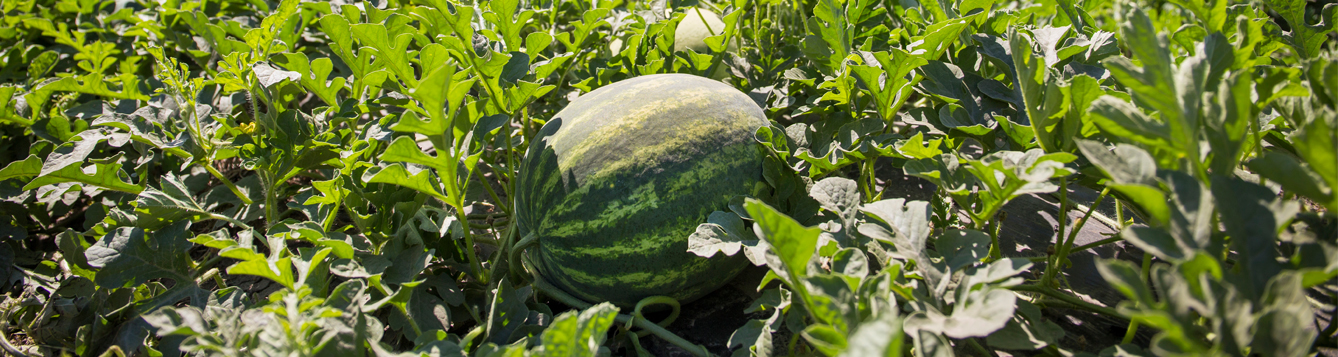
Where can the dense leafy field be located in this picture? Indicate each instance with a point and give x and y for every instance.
(249, 177)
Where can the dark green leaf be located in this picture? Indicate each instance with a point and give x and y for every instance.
(1253, 214)
(1286, 325)
(127, 256)
(156, 208)
(422, 181)
(961, 248)
(1028, 330)
(1292, 175)
(1124, 277)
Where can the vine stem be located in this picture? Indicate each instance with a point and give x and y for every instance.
(469, 244)
(515, 252)
(656, 300)
(1052, 263)
(4, 341)
(1096, 244)
(226, 182)
(1077, 302)
(644, 324)
(1066, 245)
(1133, 325)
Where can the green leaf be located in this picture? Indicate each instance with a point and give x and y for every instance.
(892, 82)
(755, 336)
(1212, 13)
(1028, 330)
(723, 232)
(422, 180)
(1317, 142)
(399, 299)
(910, 220)
(129, 257)
(507, 312)
(961, 248)
(91, 84)
(976, 314)
(1192, 215)
(1306, 38)
(278, 270)
(1124, 277)
(516, 67)
(1285, 326)
(1157, 242)
(1253, 215)
(509, 19)
(880, 337)
(102, 175)
(916, 148)
(967, 109)
(1122, 119)
(850, 263)
(983, 312)
(270, 76)
(156, 208)
(1001, 272)
(536, 43)
(338, 31)
(825, 339)
(1128, 164)
(839, 195)
(936, 38)
(577, 335)
(392, 48)
(1151, 200)
(405, 149)
(438, 94)
(1294, 176)
(793, 243)
(73, 248)
(1153, 82)
(73, 152)
(1041, 97)
(28, 167)
(829, 39)
(313, 76)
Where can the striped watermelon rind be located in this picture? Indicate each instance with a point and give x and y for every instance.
(615, 183)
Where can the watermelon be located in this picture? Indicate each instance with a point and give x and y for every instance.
(694, 29)
(697, 25)
(613, 185)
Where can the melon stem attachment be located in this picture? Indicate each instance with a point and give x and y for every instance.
(561, 296)
(518, 250)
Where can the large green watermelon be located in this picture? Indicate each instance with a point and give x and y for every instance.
(615, 183)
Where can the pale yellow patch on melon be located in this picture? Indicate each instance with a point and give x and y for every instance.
(634, 122)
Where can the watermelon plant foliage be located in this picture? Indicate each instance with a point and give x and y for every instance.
(313, 178)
